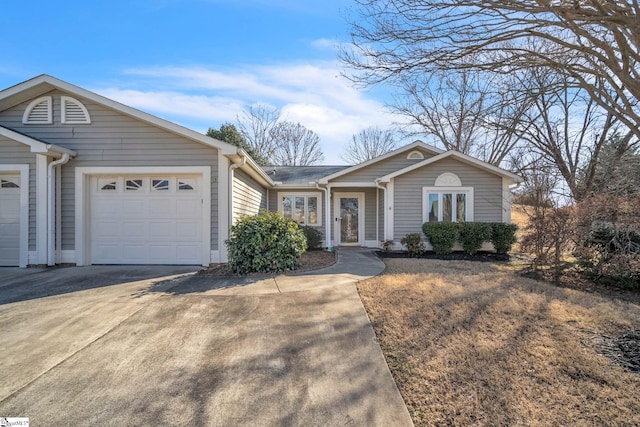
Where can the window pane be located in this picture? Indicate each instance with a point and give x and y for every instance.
(298, 213)
(433, 207)
(312, 206)
(447, 208)
(286, 206)
(159, 184)
(461, 207)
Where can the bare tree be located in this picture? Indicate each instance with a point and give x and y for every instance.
(369, 143)
(256, 127)
(566, 128)
(295, 145)
(468, 111)
(595, 44)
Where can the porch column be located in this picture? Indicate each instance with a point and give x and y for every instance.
(329, 218)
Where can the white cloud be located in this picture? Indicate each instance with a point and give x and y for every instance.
(312, 94)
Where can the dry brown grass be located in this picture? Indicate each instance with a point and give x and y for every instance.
(475, 344)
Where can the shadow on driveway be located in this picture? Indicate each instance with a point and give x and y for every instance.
(27, 284)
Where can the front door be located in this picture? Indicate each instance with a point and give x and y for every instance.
(348, 208)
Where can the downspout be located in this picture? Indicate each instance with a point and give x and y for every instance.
(51, 205)
(233, 167)
(384, 197)
(328, 222)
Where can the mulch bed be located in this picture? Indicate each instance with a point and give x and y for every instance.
(455, 256)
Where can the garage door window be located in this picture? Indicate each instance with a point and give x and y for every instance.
(5, 183)
(107, 184)
(160, 184)
(186, 184)
(133, 185)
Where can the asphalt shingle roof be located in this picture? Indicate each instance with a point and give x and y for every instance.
(300, 174)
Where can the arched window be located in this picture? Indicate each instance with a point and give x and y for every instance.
(447, 200)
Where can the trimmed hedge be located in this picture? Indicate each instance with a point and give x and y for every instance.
(267, 242)
(441, 235)
(471, 235)
(503, 236)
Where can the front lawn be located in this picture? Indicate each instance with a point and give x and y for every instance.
(473, 343)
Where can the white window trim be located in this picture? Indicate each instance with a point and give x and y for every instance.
(469, 211)
(304, 194)
(32, 105)
(82, 197)
(63, 118)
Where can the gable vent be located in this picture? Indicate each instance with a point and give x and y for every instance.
(39, 112)
(73, 111)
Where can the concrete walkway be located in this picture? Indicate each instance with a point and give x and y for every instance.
(192, 350)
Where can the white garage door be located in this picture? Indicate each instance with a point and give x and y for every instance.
(9, 220)
(146, 219)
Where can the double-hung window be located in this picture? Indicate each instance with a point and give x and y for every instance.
(304, 208)
(447, 204)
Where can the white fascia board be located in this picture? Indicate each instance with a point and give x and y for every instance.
(408, 147)
(251, 167)
(459, 156)
(35, 145)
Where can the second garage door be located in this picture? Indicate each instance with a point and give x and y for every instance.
(9, 220)
(146, 219)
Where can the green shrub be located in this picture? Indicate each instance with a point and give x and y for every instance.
(473, 234)
(265, 243)
(314, 237)
(441, 235)
(413, 243)
(503, 236)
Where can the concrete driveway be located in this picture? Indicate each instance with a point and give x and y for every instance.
(159, 346)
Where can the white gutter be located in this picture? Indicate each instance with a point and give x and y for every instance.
(233, 167)
(51, 204)
(327, 210)
(384, 191)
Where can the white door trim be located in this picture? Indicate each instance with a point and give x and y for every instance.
(82, 197)
(361, 216)
(23, 170)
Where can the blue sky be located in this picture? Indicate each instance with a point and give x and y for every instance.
(197, 62)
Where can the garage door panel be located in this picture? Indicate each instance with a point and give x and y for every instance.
(134, 207)
(134, 229)
(147, 226)
(188, 208)
(103, 207)
(187, 230)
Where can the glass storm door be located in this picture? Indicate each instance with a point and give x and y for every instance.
(349, 220)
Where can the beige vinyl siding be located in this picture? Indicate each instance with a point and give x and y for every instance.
(382, 168)
(12, 152)
(114, 139)
(248, 196)
(407, 212)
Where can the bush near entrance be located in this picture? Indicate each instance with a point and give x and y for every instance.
(265, 243)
